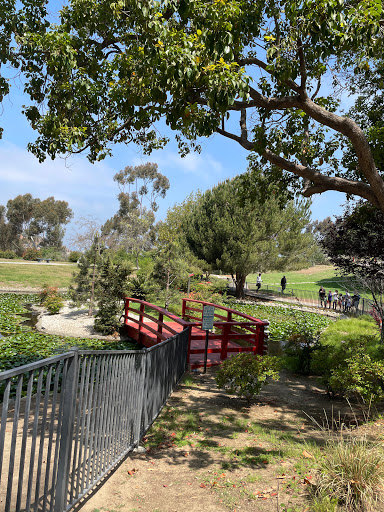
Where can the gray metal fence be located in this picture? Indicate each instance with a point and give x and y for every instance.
(304, 297)
(68, 420)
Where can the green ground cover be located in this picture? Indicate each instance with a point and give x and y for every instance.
(285, 321)
(21, 345)
(19, 275)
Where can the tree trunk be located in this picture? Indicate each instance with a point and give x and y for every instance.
(240, 282)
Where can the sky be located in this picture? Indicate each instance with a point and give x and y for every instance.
(89, 188)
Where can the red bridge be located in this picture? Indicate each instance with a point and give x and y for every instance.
(232, 332)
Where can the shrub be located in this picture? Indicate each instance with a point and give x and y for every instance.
(50, 298)
(47, 291)
(74, 256)
(342, 343)
(360, 376)
(9, 255)
(53, 253)
(298, 352)
(352, 472)
(53, 304)
(245, 374)
(205, 290)
(31, 254)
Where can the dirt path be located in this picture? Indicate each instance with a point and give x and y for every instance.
(207, 451)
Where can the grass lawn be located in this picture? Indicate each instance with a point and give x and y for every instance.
(24, 275)
(309, 279)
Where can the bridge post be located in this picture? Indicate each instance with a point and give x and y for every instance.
(184, 305)
(159, 327)
(141, 317)
(126, 310)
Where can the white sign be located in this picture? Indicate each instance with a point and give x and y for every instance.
(208, 316)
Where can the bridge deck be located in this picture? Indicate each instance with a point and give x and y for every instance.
(197, 345)
(233, 331)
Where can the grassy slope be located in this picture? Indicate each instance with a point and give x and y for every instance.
(19, 276)
(307, 279)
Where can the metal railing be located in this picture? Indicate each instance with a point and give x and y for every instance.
(306, 297)
(68, 420)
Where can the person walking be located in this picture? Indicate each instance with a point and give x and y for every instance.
(258, 281)
(283, 283)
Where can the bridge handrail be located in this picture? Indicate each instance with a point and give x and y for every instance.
(224, 308)
(163, 311)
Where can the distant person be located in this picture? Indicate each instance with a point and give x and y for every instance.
(322, 294)
(258, 282)
(329, 299)
(283, 283)
(340, 301)
(347, 301)
(335, 297)
(356, 300)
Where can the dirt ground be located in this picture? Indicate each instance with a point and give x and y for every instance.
(228, 472)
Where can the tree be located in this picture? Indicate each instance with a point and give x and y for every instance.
(132, 227)
(110, 290)
(32, 222)
(109, 71)
(234, 231)
(355, 244)
(355, 241)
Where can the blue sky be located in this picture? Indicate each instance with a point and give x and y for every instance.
(89, 188)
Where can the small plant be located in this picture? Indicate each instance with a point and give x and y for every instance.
(50, 298)
(360, 376)
(31, 254)
(352, 473)
(53, 304)
(245, 374)
(74, 256)
(9, 255)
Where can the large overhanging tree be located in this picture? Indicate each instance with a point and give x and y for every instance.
(267, 75)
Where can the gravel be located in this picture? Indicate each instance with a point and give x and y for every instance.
(73, 322)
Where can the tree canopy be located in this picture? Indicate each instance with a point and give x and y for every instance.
(132, 227)
(268, 75)
(31, 222)
(240, 235)
(355, 241)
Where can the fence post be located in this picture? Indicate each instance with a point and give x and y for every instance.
(140, 400)
(67, 419)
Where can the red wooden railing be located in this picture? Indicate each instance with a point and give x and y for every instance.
(232, 331)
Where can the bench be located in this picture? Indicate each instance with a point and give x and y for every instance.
(43, 259)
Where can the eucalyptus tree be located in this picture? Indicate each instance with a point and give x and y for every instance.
(132, 227)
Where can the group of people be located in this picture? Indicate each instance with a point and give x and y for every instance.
(337, 300)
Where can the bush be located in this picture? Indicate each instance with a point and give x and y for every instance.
(53, 253)
(9, 255)
(53, 304)
(360, 376)
(74, 256)
(50, 298)
(349, 357)
(245, 374)
(352, 472)
(31, 254)
(207, 290)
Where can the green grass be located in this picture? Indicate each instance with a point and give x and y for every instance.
(310, 280)
(19, 276)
